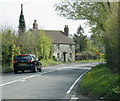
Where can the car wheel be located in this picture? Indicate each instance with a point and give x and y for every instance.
(22, 71)
(40, 70)
(15, 71)
(35, 69)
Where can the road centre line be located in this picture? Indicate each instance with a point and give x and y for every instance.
(48, 72)
(23, 79)
(68, 92)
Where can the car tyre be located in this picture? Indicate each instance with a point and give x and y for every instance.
(40, 70)
(22, 71)
(35, 69)
(15, 71)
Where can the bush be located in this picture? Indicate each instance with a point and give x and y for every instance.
(86, 55)
(6, 69)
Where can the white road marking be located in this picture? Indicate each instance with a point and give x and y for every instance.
(74, 98)
(25, 78)
(22, 80)
(68, 92)
(76, 67)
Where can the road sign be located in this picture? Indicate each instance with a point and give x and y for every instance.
(97, 53)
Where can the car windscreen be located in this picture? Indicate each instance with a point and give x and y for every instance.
(26, 57)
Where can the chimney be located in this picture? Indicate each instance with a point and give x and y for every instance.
(35, 24)
(66, 30)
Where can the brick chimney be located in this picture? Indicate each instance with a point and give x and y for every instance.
(35, 24)
(66, 30)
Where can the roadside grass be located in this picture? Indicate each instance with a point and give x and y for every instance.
(5, 69)
(101, 82)
(96, 60)
(46, 63)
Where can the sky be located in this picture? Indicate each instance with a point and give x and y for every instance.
(41, 10)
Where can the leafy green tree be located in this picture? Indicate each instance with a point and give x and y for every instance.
(94, 12)
(111, 38)
(9, 49)
(35, 43)
(103, 20)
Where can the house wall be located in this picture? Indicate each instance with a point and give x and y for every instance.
(64, 52)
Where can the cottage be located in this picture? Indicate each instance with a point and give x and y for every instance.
(64, 47)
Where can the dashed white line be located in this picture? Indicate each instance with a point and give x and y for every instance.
(24, 79)
(68, 92)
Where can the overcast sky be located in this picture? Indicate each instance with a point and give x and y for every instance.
(41, 10)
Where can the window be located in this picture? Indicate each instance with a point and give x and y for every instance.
(70, 55)
(70, 46)
(58, 55)
(58, 46)
(26, 57)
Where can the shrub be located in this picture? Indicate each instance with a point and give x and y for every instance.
(86, 55)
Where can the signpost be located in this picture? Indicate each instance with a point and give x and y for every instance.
(98, 55)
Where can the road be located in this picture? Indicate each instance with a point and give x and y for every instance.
(55, 82)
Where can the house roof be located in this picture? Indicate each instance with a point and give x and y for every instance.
(58, 37)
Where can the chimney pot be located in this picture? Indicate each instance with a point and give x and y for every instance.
(66, 30)
(35, 24)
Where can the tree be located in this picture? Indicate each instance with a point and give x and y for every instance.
(38, 43)
(94, 12)
(111, 38)
(80, 40)
(9, 48)
(22, 26)
(35, 43)
(103, 20)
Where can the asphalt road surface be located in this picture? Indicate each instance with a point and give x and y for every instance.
(55, 82)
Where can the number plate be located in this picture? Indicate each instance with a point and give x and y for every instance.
(22, 63)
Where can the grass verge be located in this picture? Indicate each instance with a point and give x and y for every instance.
(96, 60)
(101, 82)
(5, 69)
(49, 63)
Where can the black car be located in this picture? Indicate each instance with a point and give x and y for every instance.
(27, 62)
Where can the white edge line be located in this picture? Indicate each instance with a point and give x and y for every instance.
(68, 92)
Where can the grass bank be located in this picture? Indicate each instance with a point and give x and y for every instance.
(101, 82)
(96, 60)
(49, 63)
(7, 69)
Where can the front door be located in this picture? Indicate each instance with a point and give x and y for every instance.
(64, 56)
